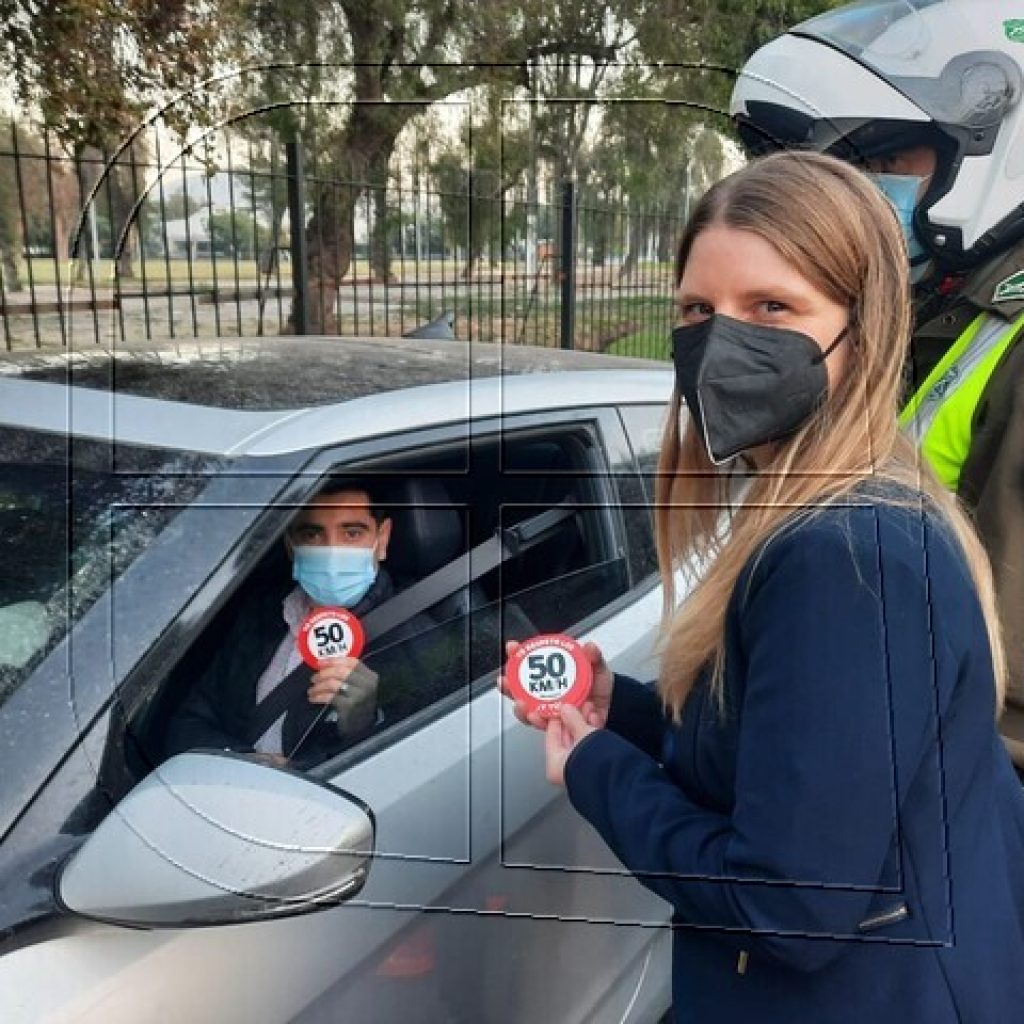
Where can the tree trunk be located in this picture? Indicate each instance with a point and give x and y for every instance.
(10, 243)
(11, 276)
(329, 245)
(600, 246)
(666, 242)
(122, 232)
(380, 250)
(636, 244)
(368, 137)
(60, 237)
(89, 170)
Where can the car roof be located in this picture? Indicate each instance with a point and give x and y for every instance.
(290, 372)
(267, 396)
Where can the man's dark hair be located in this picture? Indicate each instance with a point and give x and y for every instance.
(371, 488)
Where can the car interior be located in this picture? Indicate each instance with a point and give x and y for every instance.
(551, 571)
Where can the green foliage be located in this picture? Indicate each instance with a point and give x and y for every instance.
(91, 68)
(238, 234)
(24, 203)
(179, 205)
(476, 178)
(627, 95)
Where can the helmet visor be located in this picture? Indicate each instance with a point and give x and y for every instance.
(908, 44)
(863, 29)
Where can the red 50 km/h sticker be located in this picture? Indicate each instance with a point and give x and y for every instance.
(548, 671)
(330, 633)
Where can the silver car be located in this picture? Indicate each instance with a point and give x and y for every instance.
(425, 873)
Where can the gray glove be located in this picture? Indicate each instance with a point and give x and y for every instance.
(356, 703)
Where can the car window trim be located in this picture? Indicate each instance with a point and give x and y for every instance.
(608, 422)
(303, 472)
(462, 698)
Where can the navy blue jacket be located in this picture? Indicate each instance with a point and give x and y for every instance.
(845, 842)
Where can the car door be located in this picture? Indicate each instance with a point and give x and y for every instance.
(514, 888)
(483, 876)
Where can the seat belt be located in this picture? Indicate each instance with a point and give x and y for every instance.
(464, 570)
(442, 583)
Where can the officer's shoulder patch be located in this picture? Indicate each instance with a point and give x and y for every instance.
(1010, 289)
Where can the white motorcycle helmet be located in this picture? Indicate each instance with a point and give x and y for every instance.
(882, 75)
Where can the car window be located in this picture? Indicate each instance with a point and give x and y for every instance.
(556, 571)
(558, 568)
(70, 525)
(645, 426)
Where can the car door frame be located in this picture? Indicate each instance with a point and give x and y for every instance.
(171, 625)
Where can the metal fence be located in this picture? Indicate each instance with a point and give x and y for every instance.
(150, 244)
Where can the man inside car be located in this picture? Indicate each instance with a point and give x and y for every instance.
(336, 545)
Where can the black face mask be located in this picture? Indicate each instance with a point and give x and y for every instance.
(746, 384)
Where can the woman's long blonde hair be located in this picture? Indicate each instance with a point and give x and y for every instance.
(834, 226)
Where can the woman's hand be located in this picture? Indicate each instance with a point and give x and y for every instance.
(562, 735)
(595, 709)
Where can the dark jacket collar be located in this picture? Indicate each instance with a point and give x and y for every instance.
(380, 590)
(996, 287)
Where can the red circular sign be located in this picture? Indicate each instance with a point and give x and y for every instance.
(330, 633)
(548, 671)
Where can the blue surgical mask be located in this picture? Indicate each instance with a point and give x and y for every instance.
(901, 190)
(334, 575)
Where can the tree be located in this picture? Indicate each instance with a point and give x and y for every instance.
(667, 108)
(180, 206)
(392, 49)
(474, 176)
(400, 56)
(235, 232)
(91, 69)
(382, 64)
(37, 199)
(264, 190)
(13, 171)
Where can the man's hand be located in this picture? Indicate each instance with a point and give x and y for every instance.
(274, 760)
(348, 685)
(330, 678)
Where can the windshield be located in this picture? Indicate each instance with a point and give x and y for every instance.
(73, 516)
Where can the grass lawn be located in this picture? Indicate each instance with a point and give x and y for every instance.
(45, 269)
(644, 345)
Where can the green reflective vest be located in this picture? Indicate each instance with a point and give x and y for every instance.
(939, 416)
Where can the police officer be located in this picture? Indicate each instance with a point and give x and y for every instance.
(926, 95)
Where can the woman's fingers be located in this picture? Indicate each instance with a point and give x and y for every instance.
(575, 724)
(593, 653)
(511, 647)
(591, 715)
(535, 718)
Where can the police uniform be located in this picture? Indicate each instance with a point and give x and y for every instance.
(872, 82)
(966, 409)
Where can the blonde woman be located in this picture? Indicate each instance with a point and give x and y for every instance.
(816, 784)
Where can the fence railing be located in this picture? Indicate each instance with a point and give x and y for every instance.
(147, 245)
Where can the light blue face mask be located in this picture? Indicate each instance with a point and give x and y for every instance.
(334, 575)
(901, 190)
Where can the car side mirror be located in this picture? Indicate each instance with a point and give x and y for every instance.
(217, 838)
